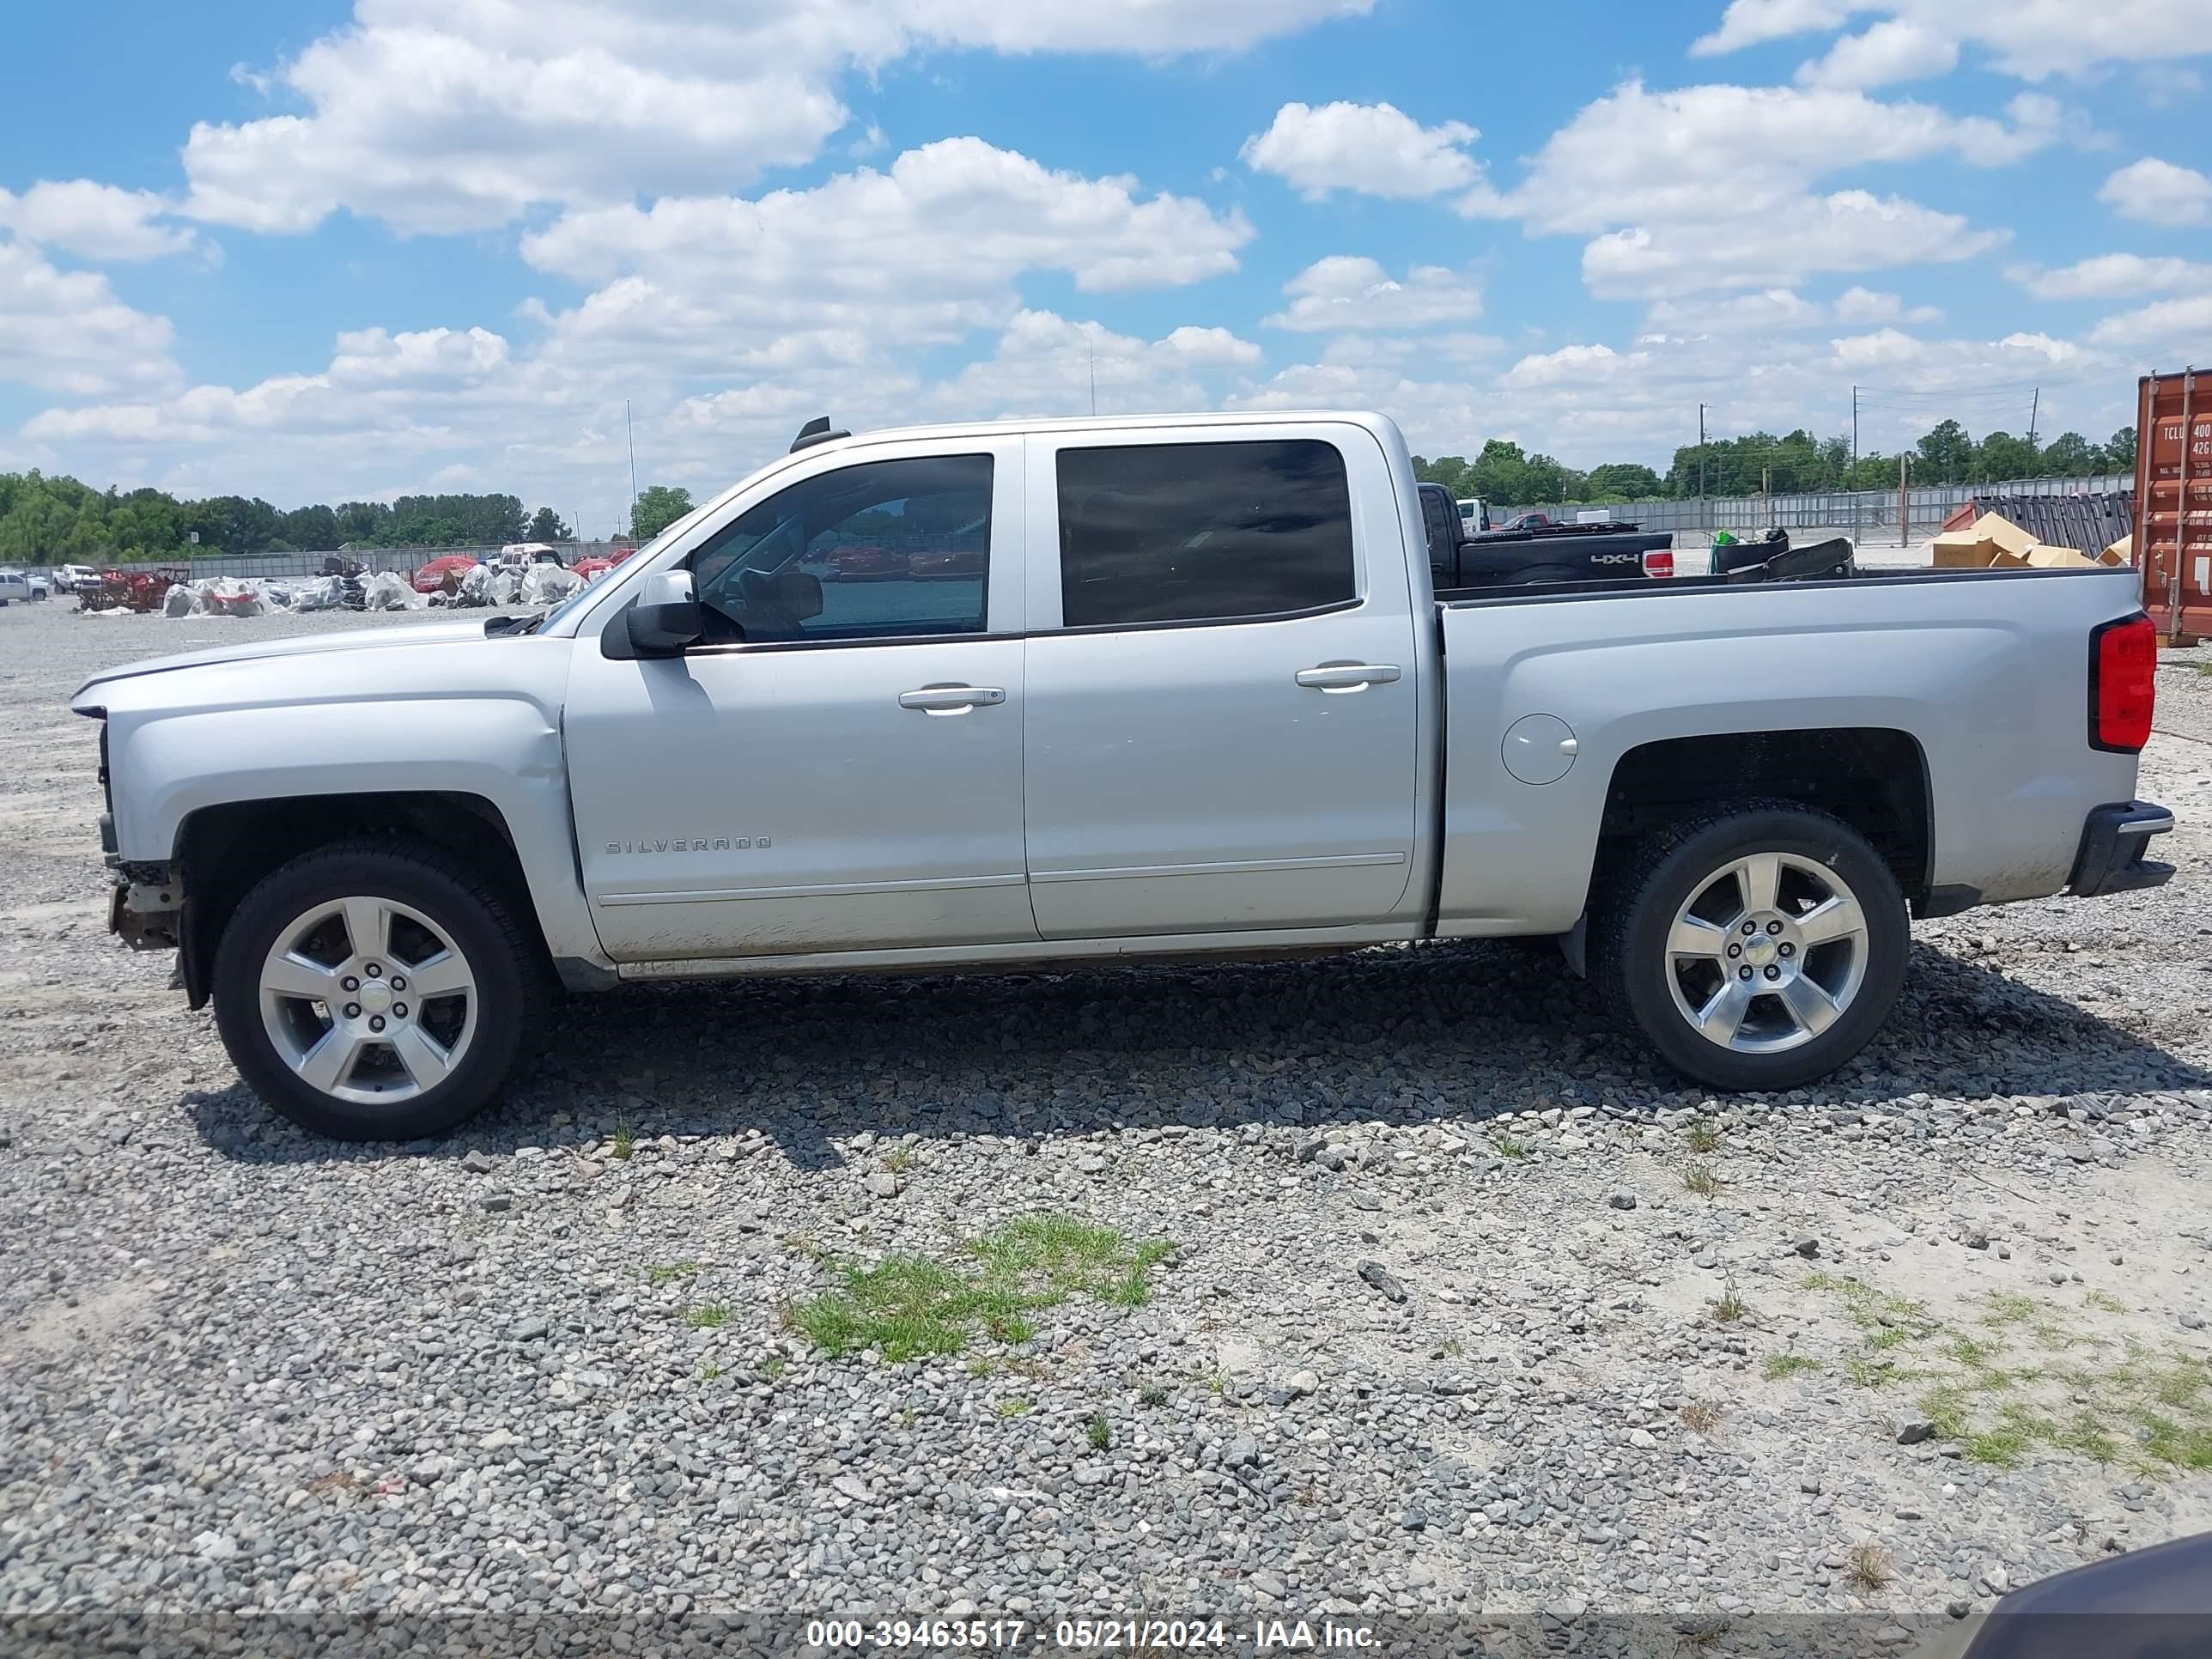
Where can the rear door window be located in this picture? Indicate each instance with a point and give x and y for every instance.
(1162, 533)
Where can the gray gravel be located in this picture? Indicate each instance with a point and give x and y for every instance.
(1445, 1328)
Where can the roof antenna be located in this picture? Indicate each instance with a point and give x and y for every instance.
(816, 431)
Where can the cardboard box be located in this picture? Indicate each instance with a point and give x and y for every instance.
(2040, 557)
(2122, 551)
(1962, 550)
(2009, 536)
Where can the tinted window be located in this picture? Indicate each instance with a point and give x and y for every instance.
(1200, 532)
(885, 549)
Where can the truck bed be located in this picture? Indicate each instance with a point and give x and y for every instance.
(1986, 672)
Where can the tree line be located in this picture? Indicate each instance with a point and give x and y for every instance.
(56, 519)
(1794, 463)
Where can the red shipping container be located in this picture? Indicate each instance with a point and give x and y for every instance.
(2174, 501)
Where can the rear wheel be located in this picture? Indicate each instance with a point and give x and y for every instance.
(375, 991)
(1757, 949)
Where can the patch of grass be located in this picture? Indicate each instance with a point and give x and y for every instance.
(1868, 1567)
(1511, 1146)
(2108, 1304)
(1705, 1135)
(774, 1367)
(1700, 1416)
(624, 1142)
(1775, 1366)
(899, 1159)
(906, 1306)
(2009, 1308)
(1453, 1346)
(1730, 1308)
(709, 1371)
(710, 1318)
(2203, 669)
(1700, 1179)
(671, 1273)
(1153, 1393)
(1097, 1434)
(1013, 1405)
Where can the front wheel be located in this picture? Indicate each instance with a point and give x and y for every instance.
(375, 991)
(1757, 949)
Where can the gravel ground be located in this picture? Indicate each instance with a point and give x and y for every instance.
(1467, 1307)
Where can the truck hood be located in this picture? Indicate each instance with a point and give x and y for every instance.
(362, 639)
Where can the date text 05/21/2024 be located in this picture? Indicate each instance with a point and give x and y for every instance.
(1262, 1636)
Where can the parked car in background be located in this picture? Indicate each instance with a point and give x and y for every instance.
(599, 565)
(518, 554)
(78, 579)
(1461, 561)
(1473, 515)
(866, 563)
(14, 586)
(1107, 751)
(968, 563)
(42, 585)
(431, 578)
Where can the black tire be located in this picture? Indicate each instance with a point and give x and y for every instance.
(505, 957)
(1632, 964)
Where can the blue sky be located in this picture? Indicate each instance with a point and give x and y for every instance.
(317, 251)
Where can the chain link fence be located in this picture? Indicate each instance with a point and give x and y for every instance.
(1862, 514)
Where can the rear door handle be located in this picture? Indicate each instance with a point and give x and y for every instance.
(1348, 676)
(952, 699)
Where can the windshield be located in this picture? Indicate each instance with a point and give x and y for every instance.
(590, 590)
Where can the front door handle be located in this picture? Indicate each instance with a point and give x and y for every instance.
(952, 699)
(1348, 676)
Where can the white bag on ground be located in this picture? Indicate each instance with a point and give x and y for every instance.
(222, 596)
(505, 585)
(179, 599)
(385, 591)
(476, 586)
(548, 584)
(323, 593)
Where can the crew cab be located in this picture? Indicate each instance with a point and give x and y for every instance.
(1193, 695)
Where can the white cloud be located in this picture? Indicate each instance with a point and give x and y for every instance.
(1882, 56)
(1376, 150)
(1851, 230)
(1344, 293)
(2160, 193)
(941, 232)
(2114, 277)
(1711, 186)
(2175, 325)
(67, 331)
(1775, 311)
(93, 220)
(2030, 39)
(1751, 23)
(1726, 154)
(452, 115)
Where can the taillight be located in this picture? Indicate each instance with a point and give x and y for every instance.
(1659, 564)
(2123, 678)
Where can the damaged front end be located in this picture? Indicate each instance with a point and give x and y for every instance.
(146, 909)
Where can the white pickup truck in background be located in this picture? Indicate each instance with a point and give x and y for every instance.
(1101, 691)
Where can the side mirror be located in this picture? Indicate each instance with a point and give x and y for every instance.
(665, 617)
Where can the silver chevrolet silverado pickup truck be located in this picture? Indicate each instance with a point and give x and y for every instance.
(1106, 690)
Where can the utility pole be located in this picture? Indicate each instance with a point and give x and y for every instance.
(1704, 507)
(1854, 429)
(1904, 504)
(632, 431)
(2034, 404)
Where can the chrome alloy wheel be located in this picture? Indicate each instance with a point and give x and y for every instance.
(1767, 952)
(368, 1000)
